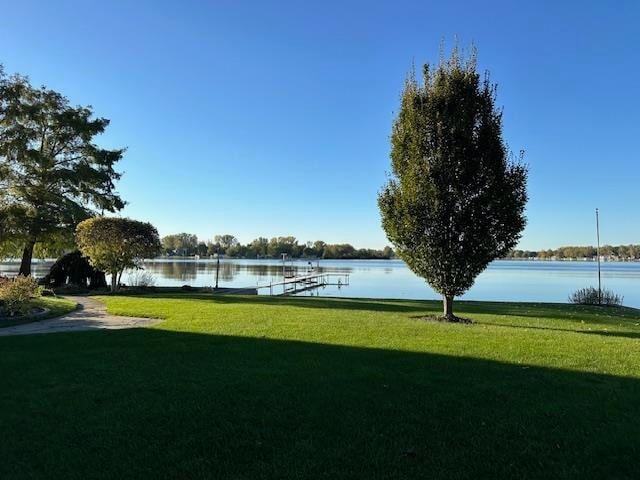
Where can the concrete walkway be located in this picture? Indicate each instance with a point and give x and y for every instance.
(90, 315)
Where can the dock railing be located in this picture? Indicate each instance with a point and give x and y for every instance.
(300, 283)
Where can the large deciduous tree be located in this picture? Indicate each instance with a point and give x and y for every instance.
(225, 242)
(180, 244)
(52, 174)
(115, 244)
(456, 199)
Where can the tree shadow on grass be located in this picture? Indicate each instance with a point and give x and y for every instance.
(159, 404)
(566, 311)
(603, 333)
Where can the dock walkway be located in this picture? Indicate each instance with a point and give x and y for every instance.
(300, 283)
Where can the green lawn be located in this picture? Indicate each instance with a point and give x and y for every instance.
(286, 388)
(55, 307)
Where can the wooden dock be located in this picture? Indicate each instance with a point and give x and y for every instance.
(300, 283)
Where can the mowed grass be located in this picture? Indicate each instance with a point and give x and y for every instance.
(285, 388)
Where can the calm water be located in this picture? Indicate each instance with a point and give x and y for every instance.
(503, 280)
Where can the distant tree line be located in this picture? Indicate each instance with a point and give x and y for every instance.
(186, 244)
(609, 252)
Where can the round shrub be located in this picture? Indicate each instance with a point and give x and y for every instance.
(16, 294)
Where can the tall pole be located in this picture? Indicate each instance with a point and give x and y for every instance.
(284, 273)
(217, 266)
(598, 255)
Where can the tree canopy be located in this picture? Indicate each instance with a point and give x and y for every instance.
(52, 174)
(455, 200)
(180, 244)
(115, 244)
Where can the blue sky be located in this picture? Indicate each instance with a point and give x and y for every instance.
(273, 118)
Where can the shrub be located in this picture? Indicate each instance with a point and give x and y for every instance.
(16, 294)
(591, 296)
(140, 278)
(72, 268)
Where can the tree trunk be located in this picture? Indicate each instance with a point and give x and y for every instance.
(447, 301)
(27, 255)
(114, 281)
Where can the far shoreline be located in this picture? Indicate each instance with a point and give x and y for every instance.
(308, 259)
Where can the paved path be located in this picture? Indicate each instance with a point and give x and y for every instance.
(91, 315)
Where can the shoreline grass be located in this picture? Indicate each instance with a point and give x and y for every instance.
(286, 387)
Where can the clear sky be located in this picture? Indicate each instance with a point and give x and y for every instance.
(273, 118)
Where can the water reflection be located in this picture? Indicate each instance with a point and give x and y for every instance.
(503, 280)
(228, 271)
(39, 268)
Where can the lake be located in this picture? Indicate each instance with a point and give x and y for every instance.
(505, 280)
